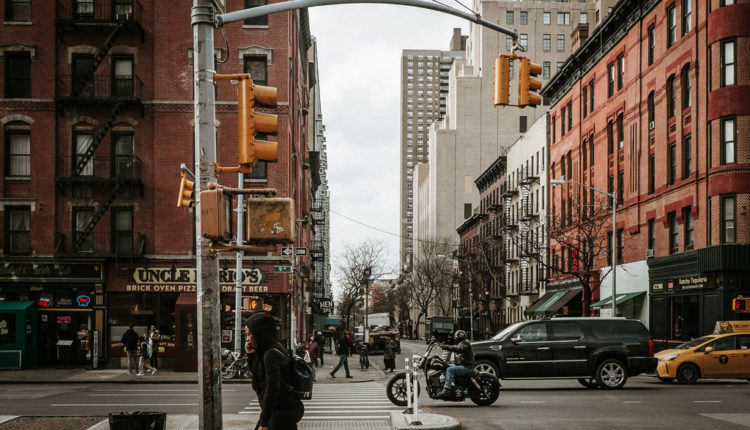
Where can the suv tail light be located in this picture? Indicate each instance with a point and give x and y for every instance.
(651, 348)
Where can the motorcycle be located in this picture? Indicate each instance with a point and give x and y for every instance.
(482, 388)
(234, 364)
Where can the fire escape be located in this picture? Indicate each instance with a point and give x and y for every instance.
(89, 91)
(529, 248)
(510, 226)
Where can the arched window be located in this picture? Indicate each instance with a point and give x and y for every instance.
(685, 83)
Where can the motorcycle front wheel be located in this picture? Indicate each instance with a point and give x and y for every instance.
(396, 389)
(488, 391)
(228, 371)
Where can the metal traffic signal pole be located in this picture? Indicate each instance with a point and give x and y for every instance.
(207, 267)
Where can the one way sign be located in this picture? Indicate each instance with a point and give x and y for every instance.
(288, 251)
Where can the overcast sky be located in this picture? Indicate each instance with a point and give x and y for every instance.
(359, 52)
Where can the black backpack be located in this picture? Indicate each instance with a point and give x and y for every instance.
(300, 378)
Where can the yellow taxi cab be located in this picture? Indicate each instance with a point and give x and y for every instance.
(723, 354)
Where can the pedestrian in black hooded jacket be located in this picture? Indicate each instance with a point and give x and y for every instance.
(270, 364)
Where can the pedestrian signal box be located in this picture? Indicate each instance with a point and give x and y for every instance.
(216, 215)
(741, 305)
(270, 220)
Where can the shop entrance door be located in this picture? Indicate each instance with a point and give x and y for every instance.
(685, 317)
(64, 337)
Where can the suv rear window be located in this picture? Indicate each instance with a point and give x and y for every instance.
(607, 330)
(568, 330)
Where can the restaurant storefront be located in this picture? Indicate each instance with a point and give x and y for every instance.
(166, 297)
(689, 292)
(66, 317)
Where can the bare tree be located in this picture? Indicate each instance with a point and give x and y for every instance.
(431, 278)
(349, 273)
(580, 230)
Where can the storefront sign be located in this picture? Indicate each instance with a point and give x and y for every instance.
(188, 276)
(183, 280)
(226, 336)
(51, 272)
(657, 287)
(83, 301)
(64, 319)
(694, 283)
(44, 302)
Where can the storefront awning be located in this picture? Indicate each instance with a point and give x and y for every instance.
(621, 298)
(540, 301)
(556, 301)
(15, 306)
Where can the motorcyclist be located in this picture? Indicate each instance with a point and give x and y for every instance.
(463, 359)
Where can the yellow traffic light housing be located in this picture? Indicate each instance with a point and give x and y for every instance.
(527, 84)
(216, 215)
(185, 198)
(502, 80)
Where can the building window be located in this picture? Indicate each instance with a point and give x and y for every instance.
(687, 224)
(723, 3)
(560, 42)
(610, 137)
(671, 26)
(563, 18)
(122, 231)
(728, 76)
(685, 83)
(584, 19)
(651, 44)
(17, 75)
(122, 76)
(687, 15)
(547, 42)
(509, 18)
(562, 121)
(728, 139)
(591, 149)
(672, 163)
(651, 234)
(259, 20)
(620, 71)
(670, 97)
(610, 79)
(122, 148)
(547, 18)
(508, 44)
(610, 248)
(651, 111)
(554, 128)
(651, 173)
(524, 41)
(686, 157)
(467, 210)
(610, 189)
(620, 131)
(620, 187)
(620, 246)
(83, 240)
(83, 141)
(524, 18)
(18, 150)
(674, 239)
(18, 229)
(728, 217)
(545, 70)
(18, 10)
(591, 96)
(522, 124)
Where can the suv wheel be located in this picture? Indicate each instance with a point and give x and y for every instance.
(486, 366)
(687, 374)
(611, 374)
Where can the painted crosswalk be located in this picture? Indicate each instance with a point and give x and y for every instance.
(365, 401)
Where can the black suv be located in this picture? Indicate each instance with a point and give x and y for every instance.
(600, 352)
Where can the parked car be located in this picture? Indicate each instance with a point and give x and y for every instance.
(601, 352)
(724, 354)
(439, 328)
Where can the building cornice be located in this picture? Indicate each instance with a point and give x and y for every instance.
(491, 174)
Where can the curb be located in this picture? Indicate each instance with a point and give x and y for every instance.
(401, 421)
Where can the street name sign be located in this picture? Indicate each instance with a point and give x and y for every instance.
(288, 251)
(282, 269)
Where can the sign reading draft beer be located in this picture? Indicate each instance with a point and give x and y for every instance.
(183, 280)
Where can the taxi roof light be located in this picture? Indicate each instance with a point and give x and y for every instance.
(724, 327)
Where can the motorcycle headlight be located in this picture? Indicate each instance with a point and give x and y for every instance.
(669, 357)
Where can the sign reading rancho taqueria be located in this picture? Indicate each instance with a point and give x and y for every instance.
(183, 280)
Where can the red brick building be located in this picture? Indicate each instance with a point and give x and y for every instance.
(654, 106)
(96, 112)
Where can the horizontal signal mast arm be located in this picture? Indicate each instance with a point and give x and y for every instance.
(240, 15)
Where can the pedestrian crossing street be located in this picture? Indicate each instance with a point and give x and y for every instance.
(343, 402)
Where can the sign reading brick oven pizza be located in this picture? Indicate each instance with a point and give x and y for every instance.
(183, 280)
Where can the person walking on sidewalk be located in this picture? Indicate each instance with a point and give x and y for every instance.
(270, 365)
(145, 357)
(342, 349)
(130, 340)
(153, 340)
(389, 354)
(321, 346)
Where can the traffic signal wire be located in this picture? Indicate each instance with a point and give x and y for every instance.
(380, 229)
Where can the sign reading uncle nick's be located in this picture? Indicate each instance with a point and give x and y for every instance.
(183, 280)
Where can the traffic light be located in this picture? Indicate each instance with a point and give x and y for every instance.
(250, 122)
(502, 80)
(527, 84)
(216, 215)
(741, 305)
(270, 220)
(185, 199)
(256, 305)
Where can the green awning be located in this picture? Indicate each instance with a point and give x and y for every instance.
(15, 306)
(621, 298)
(556, 301)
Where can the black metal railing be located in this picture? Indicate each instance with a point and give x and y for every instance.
(99, 87)
(102, 11)
(130, 244)
(123, 167)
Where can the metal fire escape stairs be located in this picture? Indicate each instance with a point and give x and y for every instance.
(508, 244)
(528, 249)
(103, 208)
(96, 139)
(101, 53)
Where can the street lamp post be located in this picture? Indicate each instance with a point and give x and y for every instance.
(554, 182)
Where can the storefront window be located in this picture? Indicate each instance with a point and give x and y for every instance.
(685, 311)
(7, 328)
(142, 311)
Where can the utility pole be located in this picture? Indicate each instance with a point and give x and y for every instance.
(238, 282)
(207, 266)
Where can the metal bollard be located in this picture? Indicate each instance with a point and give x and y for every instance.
(408, 387)
(415, 387)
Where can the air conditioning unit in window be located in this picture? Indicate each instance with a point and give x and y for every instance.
(651, 125)
(649, 253)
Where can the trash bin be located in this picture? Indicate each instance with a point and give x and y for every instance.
(137, 420)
